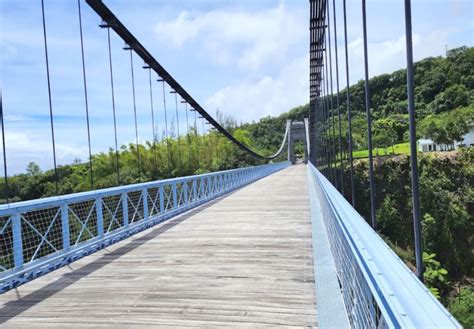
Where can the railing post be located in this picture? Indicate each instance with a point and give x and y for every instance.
(65, 226)
(162, 199)
(17, 240)
(203, 187)
(145, 203)
(125, 209)
(209, 186)
(175, 196)
(185, 192)
(100, 217)
(194, 189)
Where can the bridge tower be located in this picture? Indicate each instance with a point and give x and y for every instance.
(298, 131)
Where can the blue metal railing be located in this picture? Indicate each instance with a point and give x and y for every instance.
(39, 236)
(378, 289)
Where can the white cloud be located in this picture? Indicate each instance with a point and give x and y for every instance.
(388, 55)
(248, 39)
(23, 148)
(254, 99)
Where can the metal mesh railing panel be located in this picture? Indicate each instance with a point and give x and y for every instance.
(112, 212)
(6, 243)
(41, 233)
(135, 206)
(82, 221)
(153, 201)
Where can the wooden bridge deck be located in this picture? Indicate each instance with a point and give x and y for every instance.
(244, 260)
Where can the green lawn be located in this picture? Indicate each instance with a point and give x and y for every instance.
(402, 148)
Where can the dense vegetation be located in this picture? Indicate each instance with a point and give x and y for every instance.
(191, 154)
(444, 109)
(444, 98)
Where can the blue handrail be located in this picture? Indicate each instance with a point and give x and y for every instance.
(378, 289)
(39, 236)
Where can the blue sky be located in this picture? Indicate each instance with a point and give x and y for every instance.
(246, 58)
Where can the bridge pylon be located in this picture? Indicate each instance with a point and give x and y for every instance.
(298, 131)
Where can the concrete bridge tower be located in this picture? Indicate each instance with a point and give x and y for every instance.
(298, 131)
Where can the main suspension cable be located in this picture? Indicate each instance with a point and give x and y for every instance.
(56, 178)
(85, 93)
(348, 96)
(108, 16)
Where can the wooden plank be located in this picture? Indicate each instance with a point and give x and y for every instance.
(244, 260)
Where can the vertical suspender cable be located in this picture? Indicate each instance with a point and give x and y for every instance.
(324, 113)
(49, 97)
(369, 121)
(196, 151)
(166, 129)
(187, 134)
(177, 128)
(333, 119)
(329, 114)
(4, 149)
(348, 96)
(204, 140)
(85, 94)
(326, 118)
(337, 98)
(135, 115)
(117, 168)
(413, 155)
(155, 161)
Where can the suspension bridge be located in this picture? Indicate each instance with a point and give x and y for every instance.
(276, 244)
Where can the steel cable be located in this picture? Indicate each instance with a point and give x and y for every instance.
(348, 96)
(56, 178)
(4, 149)
(117, 167)
(166, 128)
(135, 113)
(85, 93)
(337, 97)
(369, 120)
